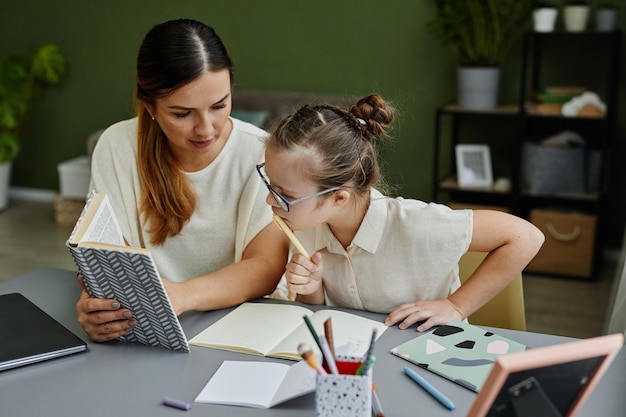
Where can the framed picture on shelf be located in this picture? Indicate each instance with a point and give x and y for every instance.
(473, 166)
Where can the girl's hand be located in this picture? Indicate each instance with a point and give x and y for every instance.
(304, 277)
(432, 313)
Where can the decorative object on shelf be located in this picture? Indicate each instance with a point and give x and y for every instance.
(478, 87)
(560, 164)
(502, 184)
(473, 166)
(544, 16)
(480, 34)
(575, 15)
(587, 104)
(568, 249)
(19, 84)
(567, 101)
(607, 16)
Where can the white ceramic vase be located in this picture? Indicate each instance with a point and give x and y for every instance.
(575, 17)
(544, 19)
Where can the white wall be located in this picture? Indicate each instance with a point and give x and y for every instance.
(616, 315)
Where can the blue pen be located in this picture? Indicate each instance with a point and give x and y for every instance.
(429, 388)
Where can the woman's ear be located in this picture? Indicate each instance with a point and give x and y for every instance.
(149, 110)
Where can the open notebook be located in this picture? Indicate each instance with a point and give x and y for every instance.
(30, 335)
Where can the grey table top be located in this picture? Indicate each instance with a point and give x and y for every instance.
(126, 379)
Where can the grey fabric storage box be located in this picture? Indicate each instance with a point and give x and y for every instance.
(554, 170)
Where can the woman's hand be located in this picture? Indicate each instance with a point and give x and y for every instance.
(102, 319)
(304, 277)
(432, 313)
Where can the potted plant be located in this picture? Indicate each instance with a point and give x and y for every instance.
(544, 15)
(480, 33)
(19, 85)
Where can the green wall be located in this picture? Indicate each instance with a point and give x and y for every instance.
(324, 46)
(328, 46)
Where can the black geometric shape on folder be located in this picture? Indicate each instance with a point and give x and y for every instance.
(447, 330)
(466, 344)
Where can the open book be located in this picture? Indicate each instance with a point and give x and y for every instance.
(458, 351)
(112, 269)
(276, 330)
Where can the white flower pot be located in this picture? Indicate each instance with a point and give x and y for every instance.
(606, 19)
(5, 179)
(575, 18)
(544, 19)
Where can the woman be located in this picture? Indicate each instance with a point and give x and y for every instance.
(181, 180)
(372, 252)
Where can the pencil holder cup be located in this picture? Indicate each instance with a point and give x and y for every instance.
(343, 395)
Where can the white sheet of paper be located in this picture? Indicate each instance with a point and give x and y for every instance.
(257, 384)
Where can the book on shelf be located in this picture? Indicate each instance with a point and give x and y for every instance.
(458, 351)
(276, 330)
(112, 269)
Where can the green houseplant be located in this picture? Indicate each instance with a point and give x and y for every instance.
(480, 33)
(19, 85)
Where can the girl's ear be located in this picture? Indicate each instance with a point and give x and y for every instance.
(341, 197)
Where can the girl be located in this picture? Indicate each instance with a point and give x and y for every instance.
(370, 251)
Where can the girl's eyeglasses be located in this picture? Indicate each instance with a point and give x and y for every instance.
(282, 201)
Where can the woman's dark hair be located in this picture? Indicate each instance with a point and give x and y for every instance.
(172, 54)
(176, 52)
(339, 142)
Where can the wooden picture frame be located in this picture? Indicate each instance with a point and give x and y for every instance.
(548, 381)
(473, 165)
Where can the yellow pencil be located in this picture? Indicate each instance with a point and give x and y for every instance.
(282, 226)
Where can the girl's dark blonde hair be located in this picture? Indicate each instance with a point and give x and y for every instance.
(340, 142)
(171, 55)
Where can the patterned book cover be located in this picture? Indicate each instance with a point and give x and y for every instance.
(130, 276)
(458, 351)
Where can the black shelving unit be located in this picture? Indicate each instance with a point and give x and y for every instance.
(548, 59)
